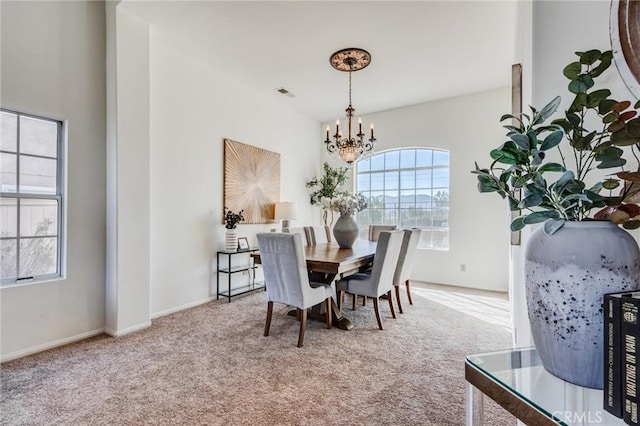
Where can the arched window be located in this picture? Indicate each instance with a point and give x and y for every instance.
(408, 188)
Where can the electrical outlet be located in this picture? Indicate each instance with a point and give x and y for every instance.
(463, 267)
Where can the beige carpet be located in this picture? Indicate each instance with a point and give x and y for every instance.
(211, 365)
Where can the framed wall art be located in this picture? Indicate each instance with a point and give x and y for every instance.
(251, 181)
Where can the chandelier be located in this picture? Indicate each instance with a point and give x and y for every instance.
(350, 148)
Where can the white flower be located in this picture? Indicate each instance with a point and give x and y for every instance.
(346, 203)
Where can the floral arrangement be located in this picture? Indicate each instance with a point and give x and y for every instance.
(345, 202)
(231, 219)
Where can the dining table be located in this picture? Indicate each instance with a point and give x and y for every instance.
(328, 263)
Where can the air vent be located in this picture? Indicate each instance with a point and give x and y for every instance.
(285, 92)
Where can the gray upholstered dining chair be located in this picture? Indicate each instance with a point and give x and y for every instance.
(319, 235)
(285, 274)
(303, 231)
(380, 280)
(405, 263)
(375, 230)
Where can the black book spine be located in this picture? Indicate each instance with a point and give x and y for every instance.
(630, 332)
(612, 354)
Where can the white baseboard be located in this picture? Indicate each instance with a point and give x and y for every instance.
(35, 349)
(182, 307)
(118, 333)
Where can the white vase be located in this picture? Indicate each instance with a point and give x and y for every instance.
(345, 231)
(566, 276)
(231, 240)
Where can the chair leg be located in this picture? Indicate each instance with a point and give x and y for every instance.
(329, 313)
(364, 300)
(409, 293)
(376, 307)
(303, 326)
(353, 302)
(393, 312)
(297, 314)
(340, 300)
(398, 298)
(267, 324)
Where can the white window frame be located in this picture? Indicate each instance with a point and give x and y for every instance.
(398, 208)
(59, 197)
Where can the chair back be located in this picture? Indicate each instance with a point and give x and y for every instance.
(385, 260)
(285, 268)
(319, 235)
(407, 252)
(375, 230)
(303, 231)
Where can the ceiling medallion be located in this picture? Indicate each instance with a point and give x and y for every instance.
(350, 149)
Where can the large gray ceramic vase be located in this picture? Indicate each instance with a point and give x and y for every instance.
(345, 231)
(566, 276)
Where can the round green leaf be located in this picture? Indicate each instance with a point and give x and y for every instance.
(590, 57)
(610, 184)
(572, 71)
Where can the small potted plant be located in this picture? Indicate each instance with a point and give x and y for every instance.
(572, 260)
(231, 220)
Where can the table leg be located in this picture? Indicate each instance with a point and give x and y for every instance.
(474, 406)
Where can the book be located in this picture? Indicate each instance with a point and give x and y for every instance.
(612, 391)
(630, 332)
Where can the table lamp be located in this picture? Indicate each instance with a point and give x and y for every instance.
(286, 211)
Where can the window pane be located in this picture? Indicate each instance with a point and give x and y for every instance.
(440, 158)
(377, 199)
(392, 160)
(423, 157)
(8, 259)
(376, 216)
(8, 217)
(9, 133)
(441, 178)
(8, 172)
(408, 179)
(390, 217)
(423, 178)
(363, 183)
(37, 175)
(407, 199)
(364, 165)
(38, 218)
(377, 181)
(391, 199)
(408, 158)
(424, 198)
(391, 180)
(38, 137)
(38, 256)
(377, 162)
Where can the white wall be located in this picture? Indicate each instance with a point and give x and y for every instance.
(193, 108)
(53, 64)
(127, 287)
(468, 127)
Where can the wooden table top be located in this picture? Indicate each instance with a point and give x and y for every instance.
(331, 259)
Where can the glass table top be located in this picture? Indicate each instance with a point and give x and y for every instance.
(520, 372)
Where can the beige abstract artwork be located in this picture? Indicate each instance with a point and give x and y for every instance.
(251, 181)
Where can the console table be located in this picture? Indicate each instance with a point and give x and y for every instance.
(518, 382)
(229, 269)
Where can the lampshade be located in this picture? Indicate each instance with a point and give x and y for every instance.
(286, 210)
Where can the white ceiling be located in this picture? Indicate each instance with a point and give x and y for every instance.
(421, 50)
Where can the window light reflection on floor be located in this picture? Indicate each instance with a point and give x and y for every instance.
(491, 309)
